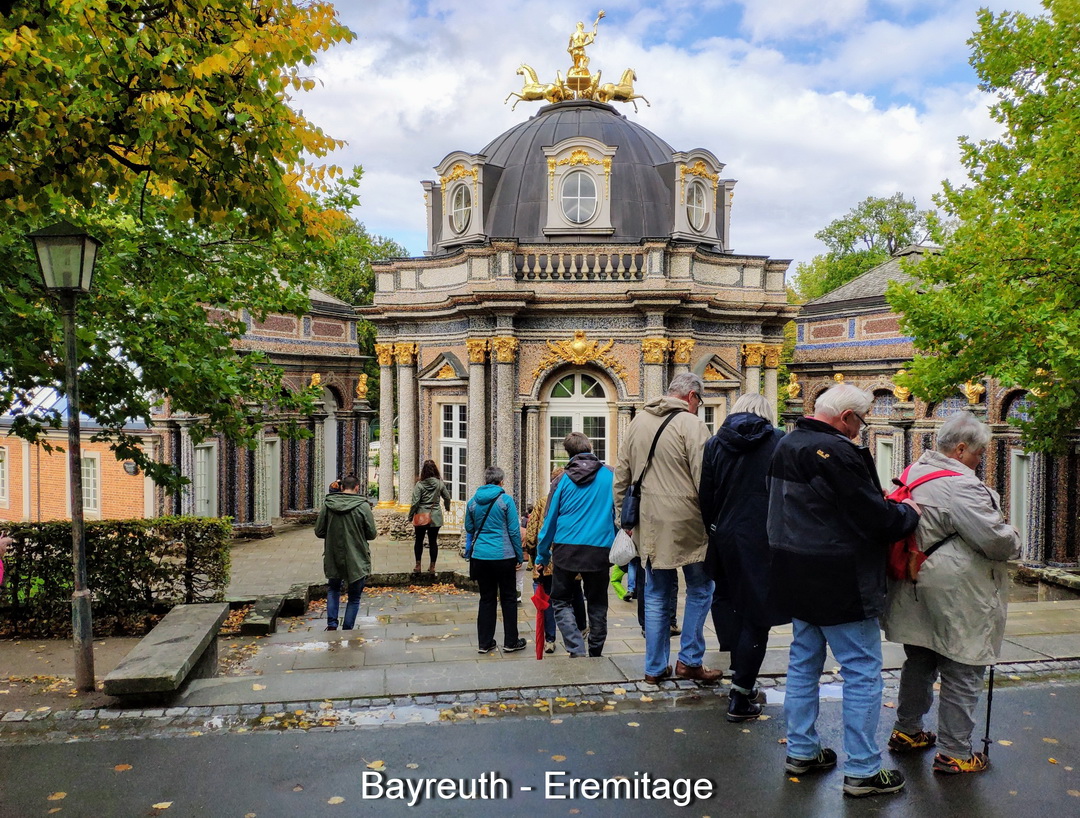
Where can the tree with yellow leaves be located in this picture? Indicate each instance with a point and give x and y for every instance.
(166, 128)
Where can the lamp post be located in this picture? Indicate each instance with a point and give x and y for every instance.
(66, 257)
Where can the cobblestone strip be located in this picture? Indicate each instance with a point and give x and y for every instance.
(45, 725)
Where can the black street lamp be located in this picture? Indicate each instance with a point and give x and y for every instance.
(66, 257)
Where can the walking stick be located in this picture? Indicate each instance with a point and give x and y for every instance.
(987, 741)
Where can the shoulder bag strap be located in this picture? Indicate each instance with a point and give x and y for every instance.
(488, 514)
(652, 449)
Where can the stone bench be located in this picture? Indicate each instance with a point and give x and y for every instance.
(183, 645)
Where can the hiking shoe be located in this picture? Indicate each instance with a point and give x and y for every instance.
(882, 783)
(549, 647)
(824, 760)
(698, 673)
(953, 766)
(659, 677)
(518, 645)
(487, 649)
(901, 742)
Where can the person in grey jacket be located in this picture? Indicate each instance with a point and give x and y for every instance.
(951, 620)
(426, 496)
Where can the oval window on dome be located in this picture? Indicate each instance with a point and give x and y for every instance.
(696, 210)
(579, 197)
(460, 208)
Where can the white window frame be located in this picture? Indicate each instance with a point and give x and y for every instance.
(456, 414)
(5, 471)
(577, 408)
(578, 177)
(885, 475)
(209, 484)
(579, 154)
(460, 212)
(91, 490)
(1019, 495)
(697, 203)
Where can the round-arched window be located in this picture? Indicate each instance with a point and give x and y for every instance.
(579, 197)
(577, 404)
(460, 208)
(696, 210)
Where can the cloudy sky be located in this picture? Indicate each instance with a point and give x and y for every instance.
(812, 104)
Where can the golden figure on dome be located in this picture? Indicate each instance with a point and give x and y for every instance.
(580, 82)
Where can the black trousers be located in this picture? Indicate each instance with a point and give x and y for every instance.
(432, 533)
(564, 591)
(498, 588)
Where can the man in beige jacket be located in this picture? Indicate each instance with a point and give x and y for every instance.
(670, 533)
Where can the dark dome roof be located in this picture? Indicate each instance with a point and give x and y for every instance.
(641, 199)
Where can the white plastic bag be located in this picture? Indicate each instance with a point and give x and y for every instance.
(623, 549)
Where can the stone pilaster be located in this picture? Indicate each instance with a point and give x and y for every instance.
(752, 359)
(385, 354)
(771, 358)
(408, 421)
(1033, 551)
(534, 461)
(319, 483)
(187, 468)
(362, 425)
(262, 508)
(653, 352)
(504, 351)
(476, 460)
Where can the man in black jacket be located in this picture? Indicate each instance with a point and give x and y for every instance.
(829, 529)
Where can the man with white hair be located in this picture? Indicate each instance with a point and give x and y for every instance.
(662, 449)
(829, 530)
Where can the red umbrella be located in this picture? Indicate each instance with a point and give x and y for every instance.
(541, 600)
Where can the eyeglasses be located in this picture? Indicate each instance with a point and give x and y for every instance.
(862, 420)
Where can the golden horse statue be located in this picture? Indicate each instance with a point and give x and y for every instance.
(622, 91)
(534, 89)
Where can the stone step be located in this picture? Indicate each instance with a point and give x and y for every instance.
(297, 600)
(262, 618)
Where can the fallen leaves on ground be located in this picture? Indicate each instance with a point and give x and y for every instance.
(645, 698)
(122, 768)
(1050, 740)
(632, 724)
(793, 780)
(412, 766)
(1004, 742)
(1073, 793)
(337, 799)
(1052, 760)
(161, 805)
(258, 687)
(231, 625)
(377, 765)
(558, 758)
(56, 796)
(679, 730)
(297, 788)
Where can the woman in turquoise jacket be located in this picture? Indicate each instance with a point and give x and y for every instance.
(494, 554)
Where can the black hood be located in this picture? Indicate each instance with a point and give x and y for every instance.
(744, 432)
(582, 468)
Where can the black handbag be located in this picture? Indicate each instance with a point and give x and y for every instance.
(630, 513)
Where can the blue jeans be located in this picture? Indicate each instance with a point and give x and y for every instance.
(333, 602)
(857, 647)
(661, 588)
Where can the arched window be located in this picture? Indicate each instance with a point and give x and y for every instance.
(697, 212)
(460, 208)
(579, 197)
(949, 407)
(1019, 409)
(577, 404)
(883, 404)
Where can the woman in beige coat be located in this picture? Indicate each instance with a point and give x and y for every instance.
(951, 620)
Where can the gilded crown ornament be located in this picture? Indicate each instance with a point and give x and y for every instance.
(794, 388)
(361, 387)
(901, 393)
(580, 82)
(579, 351)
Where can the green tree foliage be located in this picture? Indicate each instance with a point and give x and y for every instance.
(165, 128)
(346, 273)
(865, 236)
(1003, 298)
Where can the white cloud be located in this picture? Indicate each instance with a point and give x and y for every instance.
(806, 140)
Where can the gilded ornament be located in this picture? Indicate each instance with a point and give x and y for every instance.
(772, 355)
(681, 349)
(711, 373)
(445, 372)
(621, 91)
(504, 348)
(697, 169)
(753, 354)
(458, 172)
(385, 354)
(405, 354)
(1037, 391)
(361, 387)
(653, 349)
(578, 77)
(973, 390)
(794, 388)
(901, 393)
(579, 351)
(838, 377)
(316, 380)
(477, 350)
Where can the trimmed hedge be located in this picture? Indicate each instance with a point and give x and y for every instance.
(135, 568)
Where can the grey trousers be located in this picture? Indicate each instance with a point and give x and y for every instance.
(596, 585)
(959, 696)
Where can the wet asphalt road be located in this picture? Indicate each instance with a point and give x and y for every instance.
(244, 774)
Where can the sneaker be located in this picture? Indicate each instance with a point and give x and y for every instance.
(824, 760)
(901, 742)
(488, 648)
(518, 645)
(953, 766)
(741, 707)
(549, 647)
(882, 783)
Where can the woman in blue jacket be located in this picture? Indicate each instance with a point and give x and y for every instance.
(494, 554)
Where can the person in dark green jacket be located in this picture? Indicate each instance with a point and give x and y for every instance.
(426, 495)
(345, 524)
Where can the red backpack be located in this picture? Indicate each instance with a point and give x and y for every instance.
(905, 558)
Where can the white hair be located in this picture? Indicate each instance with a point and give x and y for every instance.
(962, 427)
(682, 385)
(756, 405)
(840, 398)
